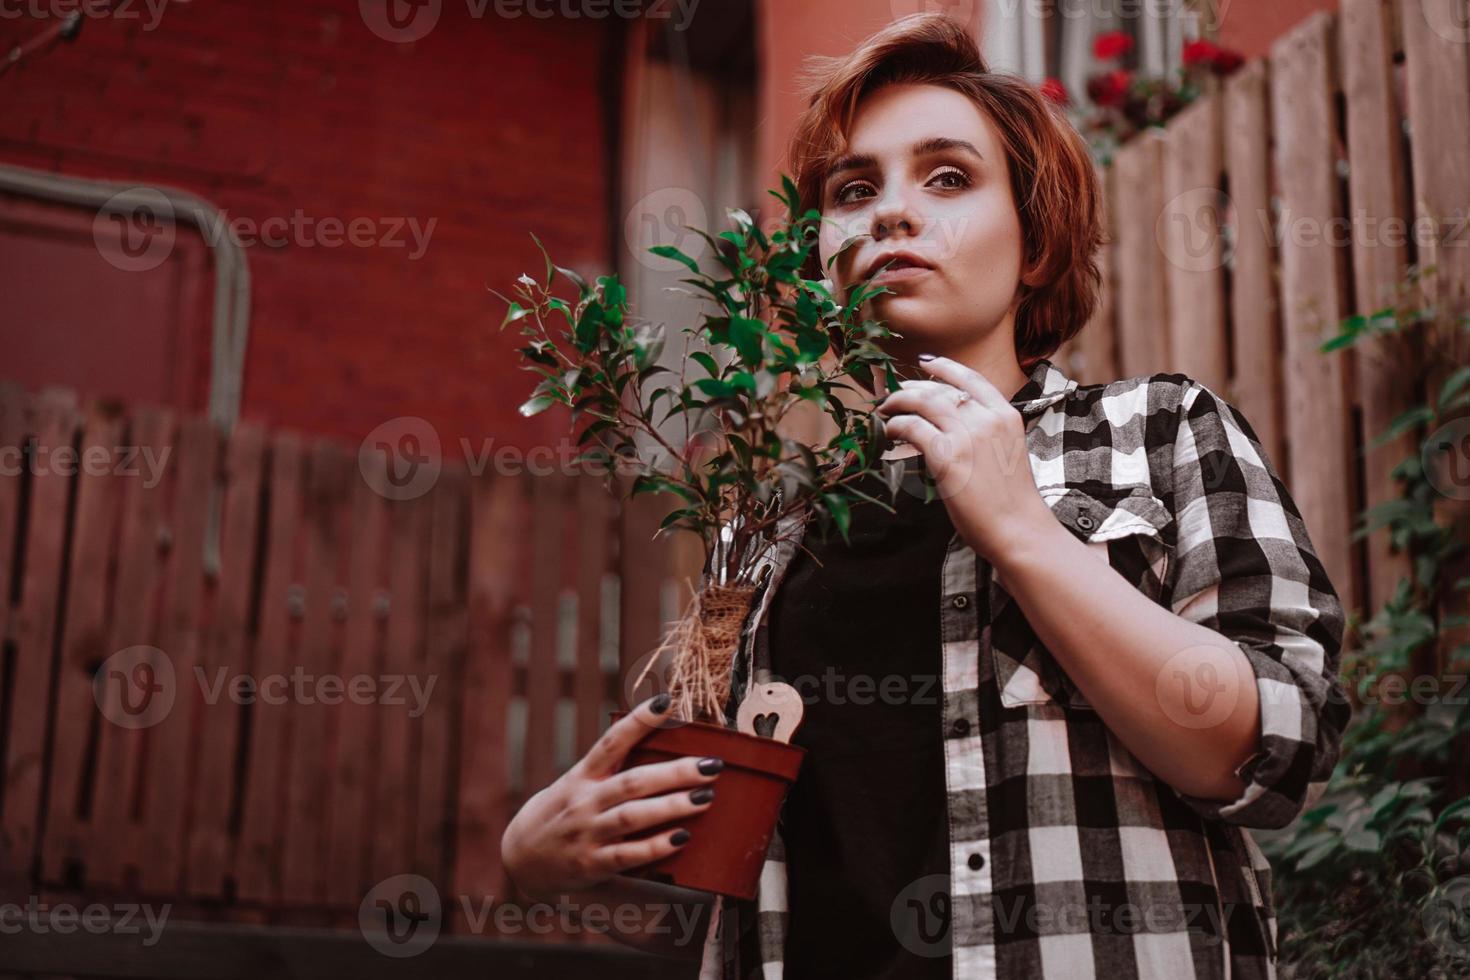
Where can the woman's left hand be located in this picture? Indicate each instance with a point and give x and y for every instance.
(974, 446)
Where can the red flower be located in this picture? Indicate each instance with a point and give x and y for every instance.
(1200, 53)
(1226, 61)
(1110, 88)
(1111, 44)
(1222, 61)
(1054, 90)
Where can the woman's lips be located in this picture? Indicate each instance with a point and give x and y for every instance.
(902, 273)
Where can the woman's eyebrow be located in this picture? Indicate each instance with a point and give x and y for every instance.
(924, 147)
(939, 144)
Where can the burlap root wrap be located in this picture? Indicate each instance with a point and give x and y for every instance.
(703, 643)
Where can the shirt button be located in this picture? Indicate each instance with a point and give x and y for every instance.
(1086, 523)
(961, 726)
(977, 861)
(960, 601)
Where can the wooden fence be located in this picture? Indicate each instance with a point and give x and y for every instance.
(423, 653)
(1272, 208)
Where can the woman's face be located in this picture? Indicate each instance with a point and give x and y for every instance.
(924, 174)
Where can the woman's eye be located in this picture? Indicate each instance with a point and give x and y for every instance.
(845, 194)
(951, 179)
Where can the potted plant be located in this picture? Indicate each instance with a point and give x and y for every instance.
(769, 338)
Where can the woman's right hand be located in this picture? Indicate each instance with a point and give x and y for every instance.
(570, 835)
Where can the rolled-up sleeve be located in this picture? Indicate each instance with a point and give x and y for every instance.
(1245, 567)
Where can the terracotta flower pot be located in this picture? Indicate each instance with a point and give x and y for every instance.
(727, 842)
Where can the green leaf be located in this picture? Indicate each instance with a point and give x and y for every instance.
(716, 388)
(847, 244)
(514, 313)
(550, 269)
(837, 506)
(656, 483)
(747, 335)
(582, 288)
(1452, 385)
(707, 362)
(788, 195)
(670, 252)
(537, 405)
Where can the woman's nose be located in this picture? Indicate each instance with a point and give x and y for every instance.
(894, 215)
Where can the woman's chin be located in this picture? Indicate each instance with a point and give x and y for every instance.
(910, 317)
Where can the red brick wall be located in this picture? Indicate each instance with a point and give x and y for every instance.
(491, 128)
(1251, 28)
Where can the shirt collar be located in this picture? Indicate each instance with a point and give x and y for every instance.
(1045, 386)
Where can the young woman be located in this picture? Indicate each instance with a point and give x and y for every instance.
(1042, 709)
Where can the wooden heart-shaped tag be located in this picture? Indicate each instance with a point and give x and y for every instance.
(770, 710)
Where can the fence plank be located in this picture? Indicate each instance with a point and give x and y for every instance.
(643, 565)
(1192, 246)
(393, 786)
(1143, 307)
(496, 560)
(224, 658)
(1437, 76)
(354, 757)
(259, 868)
(170, 742)
(34, 628)
(1256, 385)
(593, 565)
(114, 846)
(15, 424)
(441, 662)
(1437, 68)
(83, 641)
(1318, 423)
(1379, 200)
(307, 785)
(1092, 357)
(548, 519)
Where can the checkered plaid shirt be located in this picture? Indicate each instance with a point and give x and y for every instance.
(1067, 858)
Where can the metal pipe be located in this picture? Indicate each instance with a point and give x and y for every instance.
(231, 318)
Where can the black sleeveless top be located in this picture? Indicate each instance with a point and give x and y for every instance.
(865, 824)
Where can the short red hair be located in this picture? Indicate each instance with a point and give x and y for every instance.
(1053, 180)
